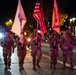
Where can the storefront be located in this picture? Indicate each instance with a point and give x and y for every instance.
(72, 26)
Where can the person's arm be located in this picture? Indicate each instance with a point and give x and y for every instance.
(12, 45)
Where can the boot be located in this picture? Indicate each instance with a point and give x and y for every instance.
(34, 65)
(38, 64)
(71, 66)
(54, 66)
(9, 63)
(6, 67)
(51, 65)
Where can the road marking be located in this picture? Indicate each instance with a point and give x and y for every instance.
(58, 61)
(46, 44)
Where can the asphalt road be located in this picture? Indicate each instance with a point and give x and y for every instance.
(44, 70)
(46, 48)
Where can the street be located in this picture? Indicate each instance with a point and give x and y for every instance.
(45, 65)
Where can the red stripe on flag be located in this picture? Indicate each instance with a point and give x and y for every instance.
(39, 17)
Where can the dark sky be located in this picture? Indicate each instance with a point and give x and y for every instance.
(8, 8)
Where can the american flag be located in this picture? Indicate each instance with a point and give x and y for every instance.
(38, 15)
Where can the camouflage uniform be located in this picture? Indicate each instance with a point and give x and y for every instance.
(36, 51)
(8, 49)
(66, 45)
(53, 52)
(39, 51)
(21, 52)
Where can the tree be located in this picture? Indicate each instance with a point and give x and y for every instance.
(63, 18)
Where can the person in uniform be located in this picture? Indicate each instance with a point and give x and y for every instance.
(53, 51)
(39, 50)
(36, 51)
(21, 52)
(66, 44)
(8, 49)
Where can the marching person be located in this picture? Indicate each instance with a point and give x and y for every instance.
(36, 51)
(8, 49)
(66, 45)
(21, 52)
(39, 50)
(53, 51)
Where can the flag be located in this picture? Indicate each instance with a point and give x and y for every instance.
(20, 16)
(19, 21)
(56, 18)
(38, 15)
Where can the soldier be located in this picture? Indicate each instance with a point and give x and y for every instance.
(36, 51)
(39, 50)
(66, 45)
(8, 49)
(53, 51)
(21, 52)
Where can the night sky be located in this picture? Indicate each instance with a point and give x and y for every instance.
(8, 9)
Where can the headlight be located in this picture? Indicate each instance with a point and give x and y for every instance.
(1, 35)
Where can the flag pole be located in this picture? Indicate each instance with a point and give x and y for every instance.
(54, 38)
(21, 33)
(37, 26)
(37, 32)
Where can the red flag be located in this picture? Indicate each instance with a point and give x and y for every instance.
(56, 18)
(39, 17)
(19, 21)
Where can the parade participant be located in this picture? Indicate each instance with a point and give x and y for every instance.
(8, 49)
(36, 51)
(39, 50)
(21, 52)
(66, 45)
(53, 51)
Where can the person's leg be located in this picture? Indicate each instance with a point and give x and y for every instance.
(20, 62)
(33, 53)
(39, 55)
(55, 61)
(51, 58)
(9, 60)
(23, 57)
(64, 58)
(70, 53)
(5, 60)
(34, 62)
